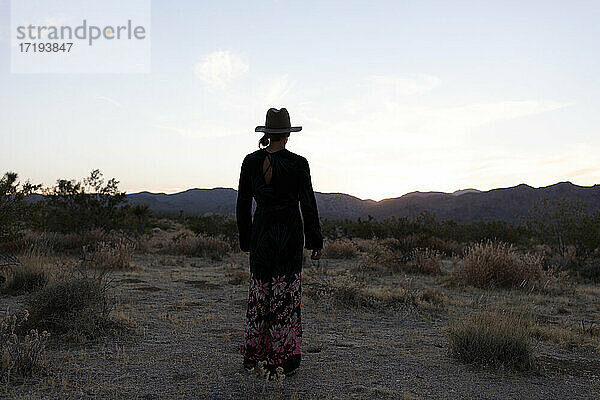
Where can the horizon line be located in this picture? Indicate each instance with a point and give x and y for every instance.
(179, 191)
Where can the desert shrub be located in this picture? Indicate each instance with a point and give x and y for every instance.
(392, 244)
(447, 247)
(385, 257)
(448, 234)
(569, 262)
(30, 274)
(115, 256)
(63, 243)
(76, 306)
(497, 339)
(346, 291)
(77, 206)
(340, 249)
(15, 211)
(187, 243)
(214, 225)
(590, 270)
(565, 222)
(379, 260)
(425, 261)
(20, 356)
(497, 264)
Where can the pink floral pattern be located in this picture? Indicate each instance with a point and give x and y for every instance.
(273, 330)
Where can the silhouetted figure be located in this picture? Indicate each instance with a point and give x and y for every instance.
(279, 181)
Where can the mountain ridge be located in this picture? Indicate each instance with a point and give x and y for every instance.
(466, 205)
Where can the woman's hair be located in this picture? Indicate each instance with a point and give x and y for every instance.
(270, 138)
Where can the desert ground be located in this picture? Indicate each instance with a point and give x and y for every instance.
(369, 333)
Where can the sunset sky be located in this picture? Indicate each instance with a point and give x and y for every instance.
(393, 96)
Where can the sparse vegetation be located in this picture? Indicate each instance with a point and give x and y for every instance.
(347, 291)
(31, 273)
(186, 243)
(76, 306)
(496, 264)
(425, 261)
(21, 355)
(496, 339)
(116, 255)
(374, 280)
(340, 249)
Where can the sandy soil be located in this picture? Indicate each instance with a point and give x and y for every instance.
(189, 321)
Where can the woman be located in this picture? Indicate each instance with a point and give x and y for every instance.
(278, 180)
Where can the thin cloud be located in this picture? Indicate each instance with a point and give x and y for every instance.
(109, 100)
(219, 69)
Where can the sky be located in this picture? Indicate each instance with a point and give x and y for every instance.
(393, 97)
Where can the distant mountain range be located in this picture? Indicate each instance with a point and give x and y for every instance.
(467, 205)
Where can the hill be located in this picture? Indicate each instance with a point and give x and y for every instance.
(464, 205)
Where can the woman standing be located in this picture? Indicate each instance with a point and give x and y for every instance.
(278, 180)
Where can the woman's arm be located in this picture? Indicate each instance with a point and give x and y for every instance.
(243, 209)
(313, 239)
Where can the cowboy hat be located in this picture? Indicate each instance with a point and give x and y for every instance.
(278, 121)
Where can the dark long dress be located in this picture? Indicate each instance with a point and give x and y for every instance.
(274, 238)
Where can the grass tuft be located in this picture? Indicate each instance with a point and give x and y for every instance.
(20, 356)
(496, 339)
(496, 264)
(29, 275)
(76, 306)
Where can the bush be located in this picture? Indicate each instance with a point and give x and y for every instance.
(380, 259)
(425, 261)
(491, 339)
(340, 249)
(214, 225)
(30, 274)
(77, 306)
(69, 243)
(20, 356)
(115, 256)
(497, 264)
(186, 243)
(13, 208)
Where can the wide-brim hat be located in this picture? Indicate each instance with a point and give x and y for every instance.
(277, 121)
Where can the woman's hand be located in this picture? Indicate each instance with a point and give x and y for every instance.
(316, 254)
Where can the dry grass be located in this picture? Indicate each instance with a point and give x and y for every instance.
(59, 242)
(186, 243)
(385, 257)
(20, 356)
(32, 273)
(340, 249)
(497, 339)
(237, 275)
(112, 256)
(425, 261)
(496, 264)
(420, 240)
(76, 305)
(347, 291)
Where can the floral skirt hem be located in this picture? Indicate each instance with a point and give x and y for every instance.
(273, 331)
